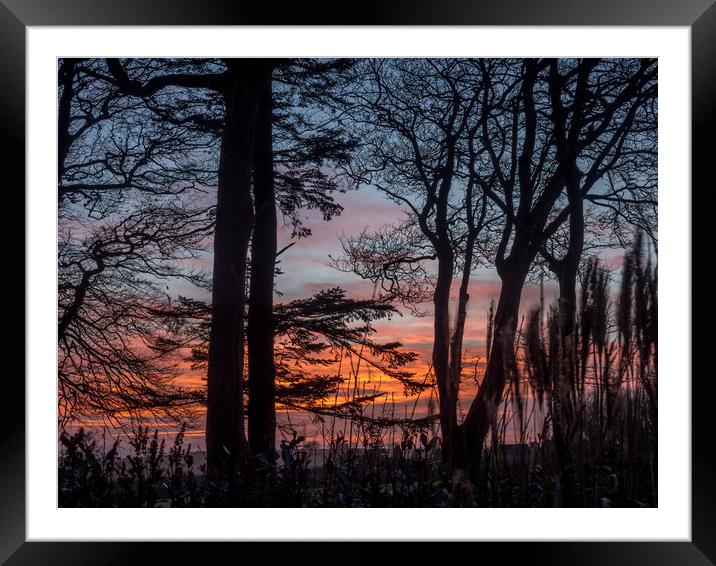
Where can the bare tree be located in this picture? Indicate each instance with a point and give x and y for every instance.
(113, 359)
(110, 144)
(117, 251)
(413, 117)
(549, 159)
(233, 99)
(607, 134)
(311, 333)
(511, 137)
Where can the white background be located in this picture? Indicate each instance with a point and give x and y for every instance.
(671, 521)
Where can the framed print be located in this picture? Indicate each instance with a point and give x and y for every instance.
(394, 277)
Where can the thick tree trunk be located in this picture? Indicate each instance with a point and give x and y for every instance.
(566, 136)
(447, 390)
(501, 362)
(566, 271)
(225, 436)
(260, 331)
(567, 302)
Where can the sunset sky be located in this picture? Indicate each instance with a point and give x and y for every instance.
(307, 269)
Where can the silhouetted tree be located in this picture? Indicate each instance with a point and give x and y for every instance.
(533, 139)
(249, 188)
(310, 333)
(523, 164)
(413, 118)
(290, 150)
(117, 249)
(549, 158)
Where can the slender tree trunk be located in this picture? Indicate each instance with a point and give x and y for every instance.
(441, 351)
(447, 390)
(225, 436)
(260, 330)
(455, 368)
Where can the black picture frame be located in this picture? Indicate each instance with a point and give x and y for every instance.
(699, 15)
